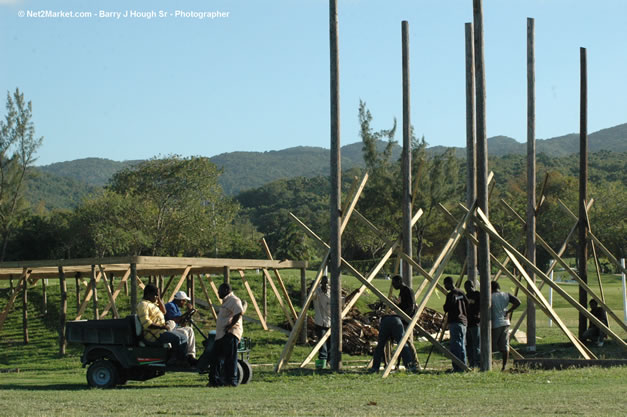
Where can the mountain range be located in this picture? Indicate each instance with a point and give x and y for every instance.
(63, 184)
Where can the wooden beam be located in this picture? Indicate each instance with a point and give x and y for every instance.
(281, 283)
(117, 291)
(87, 296)
(288, 315)
(109, 294)
(180, 283)
(204, 290)
(133, 268)
(94, 290)
(25, 311)
(484, 223)
(253, 299)
(62, 311)
(21, 283)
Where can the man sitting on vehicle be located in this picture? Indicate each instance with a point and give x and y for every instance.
(150, 312)
(182, 322)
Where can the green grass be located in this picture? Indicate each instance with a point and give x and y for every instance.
(49, 385)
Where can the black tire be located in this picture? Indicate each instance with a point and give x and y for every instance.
(102, 374)
(247, 371)
(240, 373)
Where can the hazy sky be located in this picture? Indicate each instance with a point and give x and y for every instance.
(256, 77)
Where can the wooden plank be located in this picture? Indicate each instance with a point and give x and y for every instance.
(180, 283)
(204, 290)
(117, 291)
(109, 294)
(281, 283)
(253, 299)
(575, 276)
(62, 311)
(440, 263)
(87, 297)
(21, 283)
(278, 297)
(25, 312)
(94, 290)
(484, 223)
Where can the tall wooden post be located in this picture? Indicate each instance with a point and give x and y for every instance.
(482, 190)
(94, 289)
(407, 232)
(303, 300)
(227, 275)
(25, 311)
(264, 294)
(78, 290)
(44, 296)
(471, 155)
(335, 198)
(531, 178)
(192, 292)
(133, 279)
(62, 311)
(582, 248)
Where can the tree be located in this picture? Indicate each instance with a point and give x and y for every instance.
(18, 146)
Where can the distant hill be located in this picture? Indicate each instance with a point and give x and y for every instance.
(66, 182)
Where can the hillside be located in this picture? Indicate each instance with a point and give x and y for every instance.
(249, 170)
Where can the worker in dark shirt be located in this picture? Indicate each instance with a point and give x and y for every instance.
(473, 341)
(593, 333)
(456, 307)
(391, 328)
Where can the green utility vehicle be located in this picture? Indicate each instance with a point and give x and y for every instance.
(115, 352)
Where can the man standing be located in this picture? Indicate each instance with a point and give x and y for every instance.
(391, 328)
(473, 341)
(150, 313)
(229, 330)
(173, 313)
(593, 333)
(322, 315)
(456, 307)
(500, 319)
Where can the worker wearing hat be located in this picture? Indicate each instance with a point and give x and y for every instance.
(179, 322)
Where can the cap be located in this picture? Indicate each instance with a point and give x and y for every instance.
(181, 296)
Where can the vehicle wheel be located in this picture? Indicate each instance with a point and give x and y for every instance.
(247, 371)
(240, 373)
(102, 374)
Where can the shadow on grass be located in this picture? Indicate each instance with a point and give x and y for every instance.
(47, 387)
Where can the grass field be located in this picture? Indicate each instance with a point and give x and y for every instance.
(35, 381)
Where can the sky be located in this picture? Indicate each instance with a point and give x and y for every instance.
(205, 77)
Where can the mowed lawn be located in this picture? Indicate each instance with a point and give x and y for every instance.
(34, 381)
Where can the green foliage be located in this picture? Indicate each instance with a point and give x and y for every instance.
(18, 146)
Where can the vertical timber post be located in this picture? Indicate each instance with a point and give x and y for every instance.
(335, 200)
(471, 155)
(531, 177)
(133, 280)
(407, 214)
(227, 275)
(78, 290)
(303, 299)
(25, 311)
(582, 247)
(62, 311)
(264, 294)
(482, 190)
(44, 296)
(94, 291)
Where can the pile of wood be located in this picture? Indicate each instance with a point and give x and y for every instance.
(360, 331)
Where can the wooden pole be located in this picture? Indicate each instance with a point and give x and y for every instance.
(303, 299)
(482, 189)
(44, 297)
(471, 157)
(94, 289)
(133, 288)
(407, 197)
(62, 311)
(335, 200)
(25, 311)
(264, 294)
(78, 291)
(531, 178)
(582, 247)
(227, 275)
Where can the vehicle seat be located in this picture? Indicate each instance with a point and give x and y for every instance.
(139, 332)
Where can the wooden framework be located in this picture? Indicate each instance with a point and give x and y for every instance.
(130, 269)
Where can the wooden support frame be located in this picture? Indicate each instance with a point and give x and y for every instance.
(21, 284)
(253, 299)
(391, 247)
(109, 294)
(204, 290)
(291, 341)
(559, 260)
(88, 294)
(266, 248)
(484, 223)
(117, 291)
(180, 283)
(441, 262)
(288, 315)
